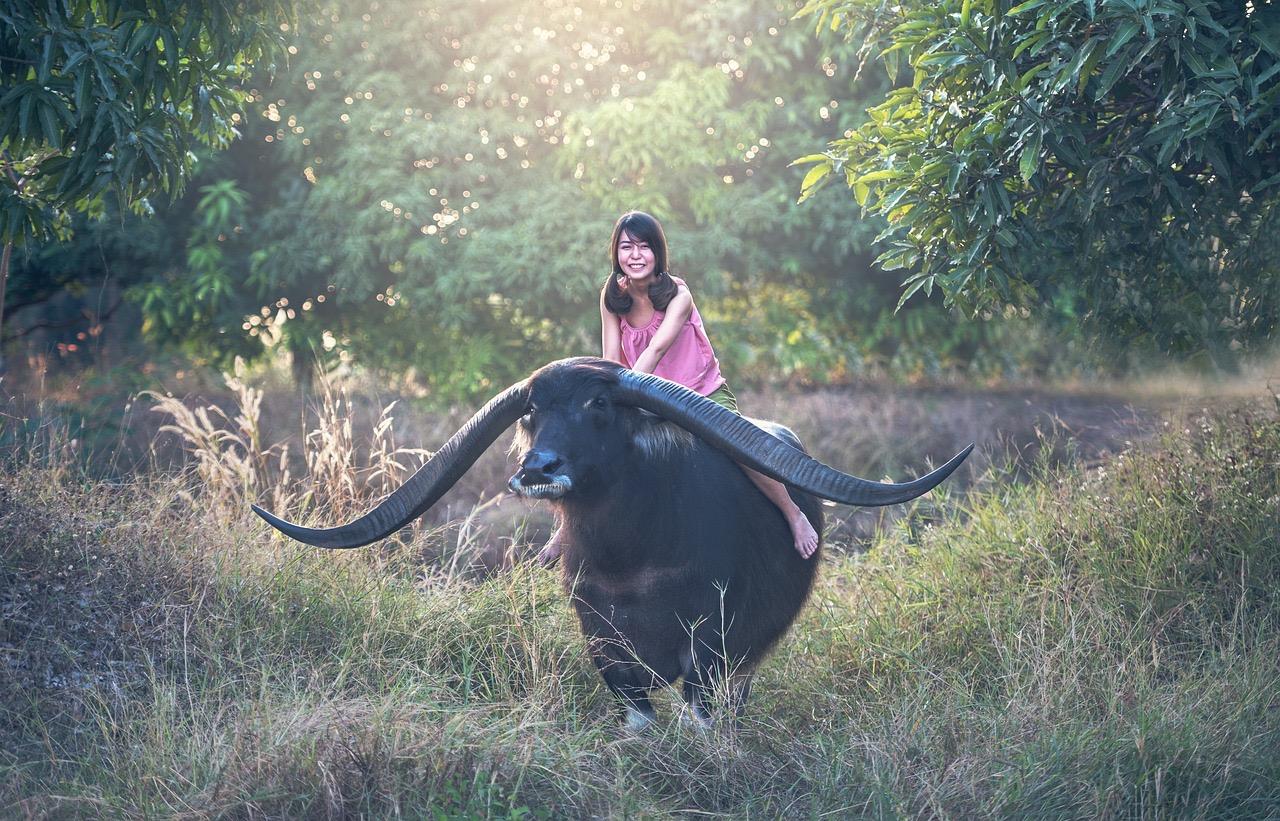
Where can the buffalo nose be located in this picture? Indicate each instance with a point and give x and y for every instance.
(541, 461)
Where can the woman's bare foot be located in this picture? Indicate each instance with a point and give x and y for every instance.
(805, 536)
(802, 532)
(551, 550)
(548, 555)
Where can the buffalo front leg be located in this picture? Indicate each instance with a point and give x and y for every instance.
(629, 680)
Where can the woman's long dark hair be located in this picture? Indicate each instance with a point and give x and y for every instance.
(642, 228)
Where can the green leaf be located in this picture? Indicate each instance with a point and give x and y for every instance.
(84, 90)
(45, 67)
(1265, 183)
(24, 117)
(811, 179)
(1124, 33)
(1030, 160)
(1025, 7)
(1111, 75)
(1193, 60)
(1030, 41)
(1266, 75)
(14, 94)
(49, 124)
(100, 119)
(1072, 72)
(912, 286)
(879, 176)
(1023, 80)
(1086, 70)
(105, 81)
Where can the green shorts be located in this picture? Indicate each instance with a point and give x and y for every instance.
(724, 397)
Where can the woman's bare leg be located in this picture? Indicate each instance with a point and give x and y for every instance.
(806, 538)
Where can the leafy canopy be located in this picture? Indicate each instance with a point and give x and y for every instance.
(1125, 153)
(427, 188)
(434, 184)
(101, 96)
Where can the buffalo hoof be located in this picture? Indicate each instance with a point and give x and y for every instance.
(637, 721)
(696, 719)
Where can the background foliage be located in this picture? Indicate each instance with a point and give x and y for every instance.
(425, 190)
(111, 98)
(101, 96)
(428, 190)
(1119, 157)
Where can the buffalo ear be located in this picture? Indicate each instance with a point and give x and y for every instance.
(657, 437)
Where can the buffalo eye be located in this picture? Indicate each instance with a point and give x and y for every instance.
(527, 419)
(597, 412)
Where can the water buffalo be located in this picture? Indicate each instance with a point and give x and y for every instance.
(677, 566)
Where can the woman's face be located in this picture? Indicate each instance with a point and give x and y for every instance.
(635, 259)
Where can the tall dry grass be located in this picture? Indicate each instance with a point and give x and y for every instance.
(1097, 641)
(234, 467)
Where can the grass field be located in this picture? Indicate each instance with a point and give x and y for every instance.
(1091, 641)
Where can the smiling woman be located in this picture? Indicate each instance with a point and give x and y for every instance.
(649, 323)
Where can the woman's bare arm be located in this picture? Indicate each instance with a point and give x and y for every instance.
(610, 334)
(678, 311)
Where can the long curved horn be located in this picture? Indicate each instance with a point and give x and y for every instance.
(749, 445)
(425, 487)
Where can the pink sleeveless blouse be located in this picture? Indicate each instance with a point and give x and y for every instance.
(689, 361)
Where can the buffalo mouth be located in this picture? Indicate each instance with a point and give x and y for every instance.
(540, 488)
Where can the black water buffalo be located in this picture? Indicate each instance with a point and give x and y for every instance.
(678, 567)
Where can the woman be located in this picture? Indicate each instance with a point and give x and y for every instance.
(649, 323)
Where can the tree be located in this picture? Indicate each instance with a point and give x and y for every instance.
(445, 176)
(110, 97)
(427, 187)
(1121, 154)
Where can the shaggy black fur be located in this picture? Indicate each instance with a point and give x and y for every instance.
(678, 567)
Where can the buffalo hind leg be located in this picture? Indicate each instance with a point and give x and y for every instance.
(626, 681)
(696, 689)
(637, 709)
(627, 678)
(701, 685)
(638, 713)
(697, 696)
(700, 692)
(739, 692)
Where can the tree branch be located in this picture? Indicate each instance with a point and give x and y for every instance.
(67, 323)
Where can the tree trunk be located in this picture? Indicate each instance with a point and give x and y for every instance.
(4, 278)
